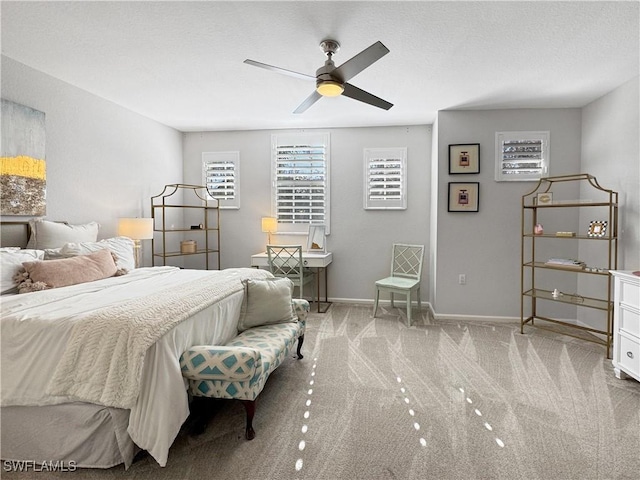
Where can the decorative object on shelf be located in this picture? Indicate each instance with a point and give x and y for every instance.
(545, 198)
(535, 309)
(188, 246)
(463, 197)
(597, 228)
(136, 229)
(464, 158)
(316, 241)
(269, 226)
(538, 229)
(565, 263)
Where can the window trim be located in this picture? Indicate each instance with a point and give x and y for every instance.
(224, 157)
(382, 156)
(301, 139)
(524, 136)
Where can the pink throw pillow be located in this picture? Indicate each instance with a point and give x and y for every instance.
(74, 270)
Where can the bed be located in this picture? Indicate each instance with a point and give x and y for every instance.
(90, 372)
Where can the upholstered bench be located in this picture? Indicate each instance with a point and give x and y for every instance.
(240, 369)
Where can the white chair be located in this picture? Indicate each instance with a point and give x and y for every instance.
(286, 261)
(406, 270)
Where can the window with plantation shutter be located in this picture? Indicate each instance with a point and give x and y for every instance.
(385, 178)
(521, 156)
(220, 172)
(300, 177)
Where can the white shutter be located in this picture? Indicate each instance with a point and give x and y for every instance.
(221, 177)
(385, 178)
(301, 179)
(521, 156)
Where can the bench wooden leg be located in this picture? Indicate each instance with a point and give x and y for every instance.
(300, 342)
(198, 415)
(250, 407)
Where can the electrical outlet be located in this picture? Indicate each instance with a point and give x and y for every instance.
(462, 279)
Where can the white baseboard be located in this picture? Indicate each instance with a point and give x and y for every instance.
(437, 316)
(475, 318)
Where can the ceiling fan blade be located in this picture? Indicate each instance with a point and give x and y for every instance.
(362, 96)
(283, 71)
(310, 100)
(355, 65)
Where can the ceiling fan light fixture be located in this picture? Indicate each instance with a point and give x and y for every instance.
(329, 88)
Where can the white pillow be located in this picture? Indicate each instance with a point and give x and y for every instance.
(48, 234)
(266, 302)
(10, 262)
(122, 247)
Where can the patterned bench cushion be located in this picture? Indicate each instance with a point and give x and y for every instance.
(240, 369)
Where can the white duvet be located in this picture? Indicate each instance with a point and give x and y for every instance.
(36, 328)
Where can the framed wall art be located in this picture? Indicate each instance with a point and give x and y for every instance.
(464, 197)
(464, 158)
(22, 153)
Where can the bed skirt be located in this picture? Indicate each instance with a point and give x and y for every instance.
(75, 434)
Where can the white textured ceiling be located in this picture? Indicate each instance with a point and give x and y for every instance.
(181, 63)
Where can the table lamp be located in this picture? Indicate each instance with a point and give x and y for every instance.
(136, 229)
(269, 225)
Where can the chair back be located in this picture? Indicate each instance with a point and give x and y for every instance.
(286, 261)
(406, 261)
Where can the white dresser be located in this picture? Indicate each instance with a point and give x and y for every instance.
(626, 324)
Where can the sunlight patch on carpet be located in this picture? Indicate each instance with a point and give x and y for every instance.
(305, 428)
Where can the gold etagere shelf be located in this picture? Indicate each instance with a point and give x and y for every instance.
(189, 198)
(532, 293)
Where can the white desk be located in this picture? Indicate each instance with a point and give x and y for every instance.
(318, 261)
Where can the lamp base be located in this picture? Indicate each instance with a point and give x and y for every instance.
(137, 253)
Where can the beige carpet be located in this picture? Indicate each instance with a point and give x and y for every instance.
(373, 399)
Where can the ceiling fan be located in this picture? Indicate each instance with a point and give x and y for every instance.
(331, 81)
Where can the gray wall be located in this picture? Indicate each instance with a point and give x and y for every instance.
(103, 161)
(486, 245)
(360, 239)
(611, 152)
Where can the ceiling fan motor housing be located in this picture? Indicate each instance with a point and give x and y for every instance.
(327, 84)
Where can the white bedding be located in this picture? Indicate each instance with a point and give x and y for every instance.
(36, 327)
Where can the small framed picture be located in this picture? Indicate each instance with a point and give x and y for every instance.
(463, 197)
(316, 239)
(545, 198)
(464, 158)
(597, 228)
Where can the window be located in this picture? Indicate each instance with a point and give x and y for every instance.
(521, 156)
(221, 176)
(385, 178)
(300, 180)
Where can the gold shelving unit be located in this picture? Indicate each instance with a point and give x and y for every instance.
(533, 291)
(188, 198)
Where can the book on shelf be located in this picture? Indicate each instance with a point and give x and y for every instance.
(565, 263)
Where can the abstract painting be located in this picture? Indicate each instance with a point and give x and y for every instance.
(23, 168)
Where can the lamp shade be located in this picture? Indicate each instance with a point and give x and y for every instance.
(136, 228)
(269, 224)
